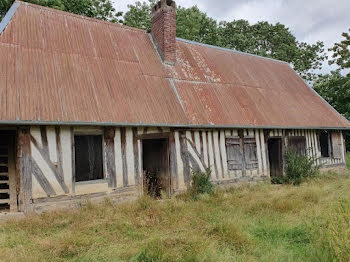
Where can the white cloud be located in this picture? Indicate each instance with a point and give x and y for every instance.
(309, 20)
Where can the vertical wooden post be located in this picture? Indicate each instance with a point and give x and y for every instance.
(24, 168)
(174, 183)
(109, 134)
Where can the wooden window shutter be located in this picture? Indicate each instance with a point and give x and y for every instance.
(337, 145)
(234, 154)
(250, 153)
(298, 144)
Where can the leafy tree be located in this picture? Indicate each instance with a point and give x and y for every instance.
(100, 9)
(335, 87)
(4, 6)
(274, 41)
(139, 15)
(341, 52)
(193, 24)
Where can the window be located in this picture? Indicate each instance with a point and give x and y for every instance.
(298, 144)
(240, 156)
(234, 155)
(88, 158)
(250, 153)
(325, 144)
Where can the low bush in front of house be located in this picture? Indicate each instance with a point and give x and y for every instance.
(297, 168)
(201, 183)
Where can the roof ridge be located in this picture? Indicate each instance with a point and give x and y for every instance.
(81, 16)
(230, 50)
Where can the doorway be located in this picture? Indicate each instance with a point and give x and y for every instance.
(275, 158)
(156, 179)
(8, 191)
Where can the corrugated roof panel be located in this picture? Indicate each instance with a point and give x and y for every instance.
(63, 68)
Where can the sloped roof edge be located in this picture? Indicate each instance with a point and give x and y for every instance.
(127, 124)
(229, 50)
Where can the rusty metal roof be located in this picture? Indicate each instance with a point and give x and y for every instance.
(61, 68)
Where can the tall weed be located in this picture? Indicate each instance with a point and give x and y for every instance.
(298, 167)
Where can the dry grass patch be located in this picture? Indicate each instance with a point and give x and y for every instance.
(251, 223)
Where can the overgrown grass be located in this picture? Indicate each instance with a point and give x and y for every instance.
(251, 223)
(348, 160)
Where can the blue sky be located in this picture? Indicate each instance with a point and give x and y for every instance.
(309, 20)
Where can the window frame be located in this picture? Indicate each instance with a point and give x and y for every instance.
(91, 132)
(242, 142)
(329, 143)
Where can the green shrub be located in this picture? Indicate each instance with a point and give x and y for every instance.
(201, 183)
(298, 167)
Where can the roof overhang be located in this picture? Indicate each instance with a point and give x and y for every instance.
(105, 124)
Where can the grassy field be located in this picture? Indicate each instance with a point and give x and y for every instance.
(348, 160)
(253, 223)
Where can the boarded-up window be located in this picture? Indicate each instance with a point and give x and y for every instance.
(88, 158)
(298, 144)
(234, 155)
(250, 153)
(325, 144)
(337, 145)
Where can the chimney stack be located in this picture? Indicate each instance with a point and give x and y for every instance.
(164, 30)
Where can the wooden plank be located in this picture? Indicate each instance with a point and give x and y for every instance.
(109, 134)
(205, 148)
(4, 191)
(196, 157)
(73, 160)
(185, 158)
(217, 153)
(25, 169)
(258, 145)
(5, 201)
(130, 157)
(212, 155)
(123, 152)
(45, 144)
(59, 152)
(223, 153)
(180, 165)
(118, 158)
(263, 151)
(44, 183)
(44, 154)
(174, 183)
(136, 156)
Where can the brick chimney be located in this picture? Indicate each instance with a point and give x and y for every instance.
(164, 30)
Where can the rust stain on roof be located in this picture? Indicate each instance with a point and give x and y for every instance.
(60, 67)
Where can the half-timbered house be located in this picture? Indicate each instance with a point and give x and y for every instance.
(92, 108)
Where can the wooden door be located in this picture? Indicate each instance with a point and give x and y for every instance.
(275, 157)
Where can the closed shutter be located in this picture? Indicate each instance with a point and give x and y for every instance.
(234, 154)
(250, 153)
(298, 144)
(337, 145)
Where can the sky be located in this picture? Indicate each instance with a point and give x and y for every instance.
(309, 20)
